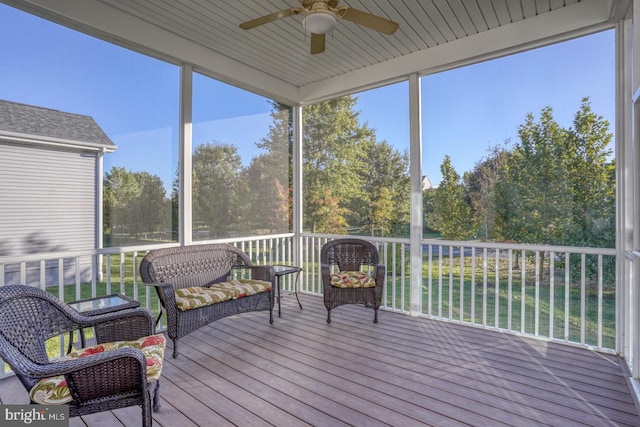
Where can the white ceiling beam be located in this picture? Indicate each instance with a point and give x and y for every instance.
(108, 23)
(579, 18)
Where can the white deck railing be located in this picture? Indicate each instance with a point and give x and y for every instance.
(473, 283)
(485, 284)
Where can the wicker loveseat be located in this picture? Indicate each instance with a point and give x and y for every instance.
(196, 285)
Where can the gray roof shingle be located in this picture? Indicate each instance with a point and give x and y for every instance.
(47, 123)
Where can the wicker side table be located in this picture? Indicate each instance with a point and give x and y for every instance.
(283, 270)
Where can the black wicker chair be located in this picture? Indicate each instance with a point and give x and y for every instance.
(100, 382)
(181, 267)
(348, 256)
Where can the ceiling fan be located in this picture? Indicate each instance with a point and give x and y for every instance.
(320, 16)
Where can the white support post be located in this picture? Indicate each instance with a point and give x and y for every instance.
(99, 212)
(185, 148)
(415, 156)
(297, 185)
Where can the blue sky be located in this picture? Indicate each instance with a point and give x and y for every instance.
(470, 109)
(135, 98)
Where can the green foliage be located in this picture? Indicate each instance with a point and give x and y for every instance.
(479, 186)
(135, 205)
(361, 183)
(557, 186)
(451, 214)
(217, 189)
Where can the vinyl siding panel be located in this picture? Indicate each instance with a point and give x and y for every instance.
(47, 202)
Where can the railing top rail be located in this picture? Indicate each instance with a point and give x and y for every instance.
(522, 246)
(477, 244)
(368, 238)
(44, 256)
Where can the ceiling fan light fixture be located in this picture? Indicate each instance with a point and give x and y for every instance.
(319, 22)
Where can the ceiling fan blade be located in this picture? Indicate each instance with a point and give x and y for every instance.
(269, 18)
(369, 20)
(317, 43)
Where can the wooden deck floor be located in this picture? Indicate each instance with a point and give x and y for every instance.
(401, 372)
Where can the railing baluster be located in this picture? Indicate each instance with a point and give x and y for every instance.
(496, 293)
(123, 270)
(600, 289)
(440, 280)
(77, 275)
(510, 290)
(473, 285)
(462, 283)
(61, 279)
(567, 285)
(552, 293)
(403, 252)
(523, 291)
(430, 282)
(93, 291)
(450, 282)
(536, 304)
(583, 298)
(43, 274)
(485, 278)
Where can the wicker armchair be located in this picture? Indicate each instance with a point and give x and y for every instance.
(107, 380)
(351, 274)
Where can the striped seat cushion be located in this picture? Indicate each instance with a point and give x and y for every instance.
(352, 279)
(54, 391)
(194, 297)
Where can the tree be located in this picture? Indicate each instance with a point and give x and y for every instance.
(557, 186)
(479, 186)
(330, 215)
(331, 144)
(269, 200)
(217, 189)
(269, 176)
(344, 164)
(451, 214)
(382, 212)
(151, 207)
(134, 203)
(120, 188)
(386, 189)
(588, 157)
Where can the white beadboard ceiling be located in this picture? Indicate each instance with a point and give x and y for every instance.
(274, 59)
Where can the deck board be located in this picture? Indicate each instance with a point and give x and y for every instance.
(405, 371)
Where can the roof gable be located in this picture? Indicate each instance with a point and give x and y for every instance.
(48, 124)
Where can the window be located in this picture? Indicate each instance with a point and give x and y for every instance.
(133, 98)
(520, 148)
(356, 164)
(241, 162)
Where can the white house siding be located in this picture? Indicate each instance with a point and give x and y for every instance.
(47, 204)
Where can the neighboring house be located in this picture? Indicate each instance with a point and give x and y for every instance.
(426, 183)
(50, 187)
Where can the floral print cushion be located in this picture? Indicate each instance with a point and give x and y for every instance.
(352, 279)
(54, 391)
(194, 297)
